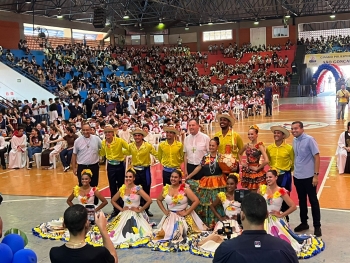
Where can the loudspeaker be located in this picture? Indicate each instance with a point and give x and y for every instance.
(99, 17)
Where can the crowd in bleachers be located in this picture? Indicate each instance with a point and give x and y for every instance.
(329, 44)
(143, 87)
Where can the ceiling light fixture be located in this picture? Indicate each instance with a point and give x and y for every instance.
(332, 16)
(287, 15)
(28, 1)
(256, 22)
(187, 28)
(210, 23)
(126, 15)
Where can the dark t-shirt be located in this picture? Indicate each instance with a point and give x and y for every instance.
(255, 246)
(70, 140)
(86, 254)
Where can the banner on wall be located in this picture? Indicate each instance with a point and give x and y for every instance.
(315, 60)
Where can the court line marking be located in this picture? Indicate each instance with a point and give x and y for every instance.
(325, 178)
(8, 171)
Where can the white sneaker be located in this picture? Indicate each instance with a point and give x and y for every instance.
(50, 168)
(66, 169)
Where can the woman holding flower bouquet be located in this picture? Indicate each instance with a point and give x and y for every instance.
(85, 195)
(179, 220)
(276, 225)
(130, 228)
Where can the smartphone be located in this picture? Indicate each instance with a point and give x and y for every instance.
(91, 213)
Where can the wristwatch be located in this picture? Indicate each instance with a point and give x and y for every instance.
(316, 173)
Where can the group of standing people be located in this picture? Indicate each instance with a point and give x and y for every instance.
(211, 172)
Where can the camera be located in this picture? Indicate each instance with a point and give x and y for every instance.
(226, 230)
(91, 213)
(240, 194)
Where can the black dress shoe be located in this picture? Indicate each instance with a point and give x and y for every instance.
(149, 213)
(318, 232)
(301, 227)
(4, 167)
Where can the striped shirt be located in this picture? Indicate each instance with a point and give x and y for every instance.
(87, 149)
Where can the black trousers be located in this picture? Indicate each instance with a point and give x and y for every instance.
(141, 179)
(95, 168)
(305, 189)
(2, 156)
(116, 178)
(166, 178)
(190, 168)
(268, 104)
(288, 187)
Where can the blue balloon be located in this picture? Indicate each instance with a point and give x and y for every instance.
(326, 67)
(25, 256)
(14, 241)
(6, 254)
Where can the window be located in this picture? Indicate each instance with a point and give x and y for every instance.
(280, 31)
(217, 35)
(158, 39)
(135, 37)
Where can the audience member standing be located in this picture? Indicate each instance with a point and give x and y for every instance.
(306, 171)
(268, 98)
(86, 155)
(196, 145)
(343, 99)
(53, 114)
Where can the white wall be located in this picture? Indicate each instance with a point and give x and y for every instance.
(15, 86)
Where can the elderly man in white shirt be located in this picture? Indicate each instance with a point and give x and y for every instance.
(196, 145)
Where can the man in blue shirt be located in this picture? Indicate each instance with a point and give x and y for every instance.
(306, 171)
(254, 245)
(268, 98)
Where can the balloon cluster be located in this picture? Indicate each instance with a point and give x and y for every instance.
(12, 250)
(322, 71)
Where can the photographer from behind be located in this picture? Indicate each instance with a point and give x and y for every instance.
(76, 250)
(254, 245)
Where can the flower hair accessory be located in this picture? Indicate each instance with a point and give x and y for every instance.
(87, 172)
(255, 127)
(131, 168)
(236, 175)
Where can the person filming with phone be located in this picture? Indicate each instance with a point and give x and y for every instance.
(76, 250)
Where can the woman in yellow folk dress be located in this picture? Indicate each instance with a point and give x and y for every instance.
(305, 246)
(85, 194)
(174, 231)
(130, 228)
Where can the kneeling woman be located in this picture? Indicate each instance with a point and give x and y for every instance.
(179, 220)
(205, 244)
(276, 225)
(85, 195)
(130, 228)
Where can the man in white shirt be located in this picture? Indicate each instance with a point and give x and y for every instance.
(125, 133)
(131, 105)
(196, 145)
